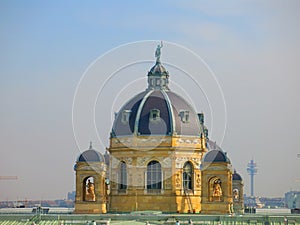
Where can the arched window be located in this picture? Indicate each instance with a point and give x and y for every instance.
(123, 176)
(187, 176)
(154, 175)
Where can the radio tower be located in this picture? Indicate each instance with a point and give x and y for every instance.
(252, 170)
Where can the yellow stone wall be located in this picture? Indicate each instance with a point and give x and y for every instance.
(211, 204)
(172, 153)
(238, 202)
(90, 207)
(97, 170)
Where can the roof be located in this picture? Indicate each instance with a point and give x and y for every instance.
(157, 111)
(236, 176)
(169, 106)
(91, 155)
(216, 156)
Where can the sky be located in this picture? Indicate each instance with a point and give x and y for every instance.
(48, 47)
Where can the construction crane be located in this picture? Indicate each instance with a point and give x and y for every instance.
(8, 178)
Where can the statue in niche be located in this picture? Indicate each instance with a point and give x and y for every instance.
(217, 190)
(90, 192)
(235, 194)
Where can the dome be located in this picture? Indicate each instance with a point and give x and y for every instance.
(91, 155)
(157, 111)
(236, 176)
(215, 156)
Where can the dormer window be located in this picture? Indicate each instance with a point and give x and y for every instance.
(125, 116)
(184, 116)
(154, 115)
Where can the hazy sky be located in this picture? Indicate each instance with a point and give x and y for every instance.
(253, 47)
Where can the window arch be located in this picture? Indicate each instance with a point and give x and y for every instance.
(154, 175)
(187, 176)
(123, 176)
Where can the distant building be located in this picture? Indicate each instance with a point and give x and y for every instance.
(160, 158)
(292, 200)
(71, 196)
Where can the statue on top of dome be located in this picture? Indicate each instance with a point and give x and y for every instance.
(158, 51)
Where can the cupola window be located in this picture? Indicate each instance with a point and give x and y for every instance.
(125, 116)
(184, 116)
(154, 115)
(152, 82)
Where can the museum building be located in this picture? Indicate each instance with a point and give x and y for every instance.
(160, 158)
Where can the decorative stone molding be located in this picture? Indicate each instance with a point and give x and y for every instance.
(115, 162)
(142, 161)
(177, 180)
(198, 181)
(166, 162)
(181, 160)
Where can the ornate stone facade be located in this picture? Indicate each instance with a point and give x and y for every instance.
(160, 158)
(172, 196)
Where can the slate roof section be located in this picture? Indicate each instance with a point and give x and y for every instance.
(215, 156)
(91, 156)
(236, 176)
(169, 104)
